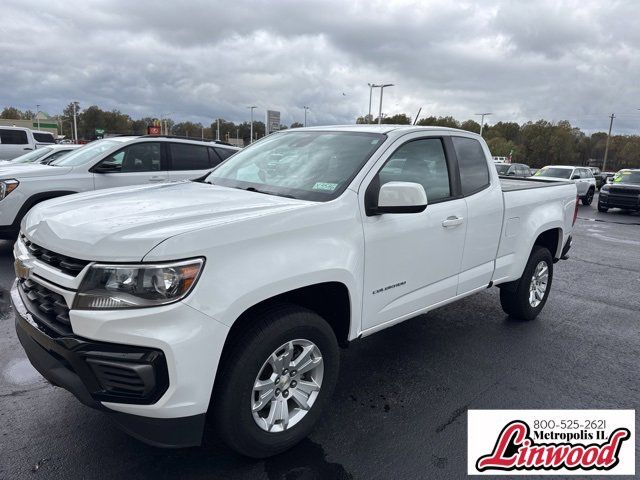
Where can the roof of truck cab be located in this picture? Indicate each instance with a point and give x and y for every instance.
(378, 128)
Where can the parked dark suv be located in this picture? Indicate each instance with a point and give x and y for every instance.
(623, 192)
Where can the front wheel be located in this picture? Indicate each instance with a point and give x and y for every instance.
(275, 381)
(602, 209)
(525, 298)
(588, 198)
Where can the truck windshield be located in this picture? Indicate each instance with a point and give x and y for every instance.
(86, 153)
(554, 172)
(33, 156)
(627, 177)
(308, 165)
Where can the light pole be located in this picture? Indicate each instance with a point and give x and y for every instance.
(218, 129)
(482, 115)
(305, 115)
(371, 87)
(606, 148)
(381, 92)
(37, 116)
(75, 124)
(252, 107)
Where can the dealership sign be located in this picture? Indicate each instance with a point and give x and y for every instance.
(273, 121)
(551, 442)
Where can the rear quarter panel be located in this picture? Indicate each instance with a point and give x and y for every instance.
(528, 213)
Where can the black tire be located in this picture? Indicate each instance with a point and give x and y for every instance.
(588, 198)
(231, 401)
(602, 209)
(514, 296)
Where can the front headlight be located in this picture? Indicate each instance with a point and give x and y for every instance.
(8, 186)
(108, 287)
(604, 189)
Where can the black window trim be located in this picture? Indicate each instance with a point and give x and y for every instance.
(452, 168)
(477, 190)
(163, 159)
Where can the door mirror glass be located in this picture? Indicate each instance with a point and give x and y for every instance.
(401, 197)
(575, 176)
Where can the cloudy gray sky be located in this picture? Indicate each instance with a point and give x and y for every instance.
(521, 60)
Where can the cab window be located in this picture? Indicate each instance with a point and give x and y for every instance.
(139, 157)
(420, 161)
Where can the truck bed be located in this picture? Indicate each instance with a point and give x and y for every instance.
(509, 184)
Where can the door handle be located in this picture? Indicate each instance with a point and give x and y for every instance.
(157, 179)
(452, 221)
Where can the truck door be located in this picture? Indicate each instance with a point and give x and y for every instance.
(412, 260)
(484, 214)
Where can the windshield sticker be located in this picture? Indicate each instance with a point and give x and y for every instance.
(325, 187)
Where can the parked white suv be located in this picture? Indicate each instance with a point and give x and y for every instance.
(582, 176)
(112, 162)
(15, 141)
(229, 296)
(42, 155)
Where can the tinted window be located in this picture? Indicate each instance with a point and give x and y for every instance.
(43, 137)
(139, 157)
(472, 162)
(224, 152)
(13, 137)
(189, 157)
(423, 162)
(502, 169)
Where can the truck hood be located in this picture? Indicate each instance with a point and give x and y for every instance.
(30, 170)
(124, 224)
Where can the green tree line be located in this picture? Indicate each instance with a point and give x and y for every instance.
(540, 143)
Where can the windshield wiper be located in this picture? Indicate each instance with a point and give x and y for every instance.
(253, 189)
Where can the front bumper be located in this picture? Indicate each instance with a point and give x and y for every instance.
(629, 202)
(88, 368)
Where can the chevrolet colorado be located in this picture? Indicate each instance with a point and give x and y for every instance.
(225, 300)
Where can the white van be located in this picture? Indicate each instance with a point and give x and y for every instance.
(16, 141)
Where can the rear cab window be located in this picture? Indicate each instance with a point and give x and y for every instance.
(43, 137)
(472, 162)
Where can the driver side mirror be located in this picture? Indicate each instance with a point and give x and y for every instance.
(575, 177)
(107, 167)
(399, 197)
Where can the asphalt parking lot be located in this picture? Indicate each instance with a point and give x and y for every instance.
(400, 406)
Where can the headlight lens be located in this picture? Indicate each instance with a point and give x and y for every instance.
(604, 189)
(8, 186)
(108, 287)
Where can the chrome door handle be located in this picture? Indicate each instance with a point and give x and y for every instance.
(452, 221)
(157, 179)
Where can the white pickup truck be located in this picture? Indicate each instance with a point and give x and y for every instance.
(226, 298)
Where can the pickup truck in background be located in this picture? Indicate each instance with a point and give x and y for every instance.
(225, 300)
(16, 141)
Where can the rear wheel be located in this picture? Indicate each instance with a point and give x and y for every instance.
(275, 381)
(588, 198)
(525, 298)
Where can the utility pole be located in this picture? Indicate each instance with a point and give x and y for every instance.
(75, 124)
(37, 116)
(382, 86)
(252, 107)
(482, 115)
(218, 129)
(371, 87)
(305, 115)
(237, 137)
(606, 148)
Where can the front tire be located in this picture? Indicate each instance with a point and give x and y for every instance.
(588, 198)
(525, 298)
(275, 380)
(602, 209)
